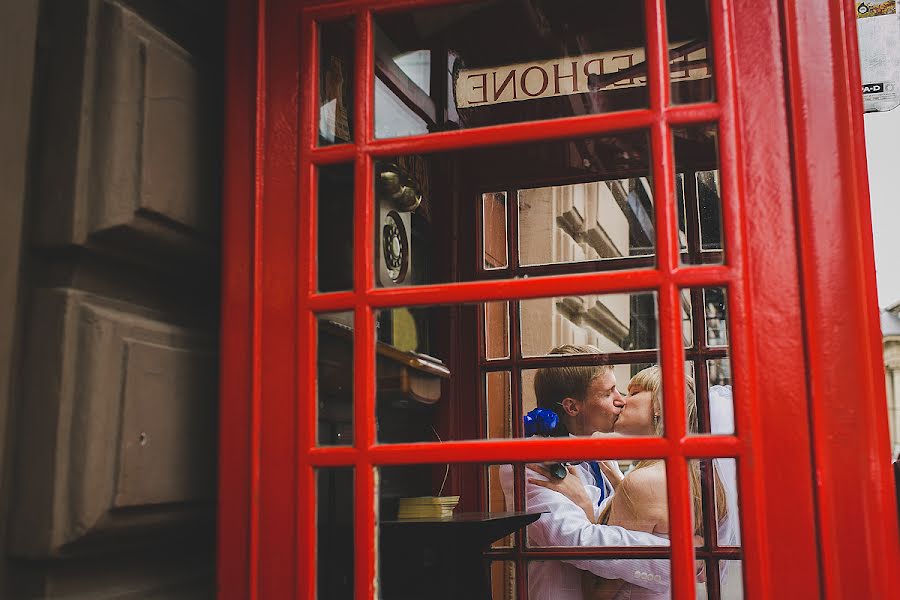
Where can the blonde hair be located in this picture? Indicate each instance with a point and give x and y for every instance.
(650, 380)
(552, 385)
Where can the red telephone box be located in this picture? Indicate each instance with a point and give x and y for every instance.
(387, 167)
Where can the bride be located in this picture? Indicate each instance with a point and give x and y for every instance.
(639, 502)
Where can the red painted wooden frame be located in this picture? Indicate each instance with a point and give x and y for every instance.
(791, 133)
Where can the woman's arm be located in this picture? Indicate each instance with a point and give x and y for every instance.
(571, 487)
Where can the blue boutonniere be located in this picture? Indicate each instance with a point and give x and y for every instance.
(541, 421)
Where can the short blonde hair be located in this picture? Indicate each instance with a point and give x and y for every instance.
(553, 384)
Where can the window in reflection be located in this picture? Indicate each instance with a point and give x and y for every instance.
(496, 330)
(716, 518)
(586, 221)
(705, 315)
(610, 323)
(493, 226)
(698, 195)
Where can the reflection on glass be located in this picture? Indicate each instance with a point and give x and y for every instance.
(715, 508)
(503, 580)
(610, 323)
(704, 313)
(690, 51)
(449, 68)
(687, 319)
(699, 201)
(586, 221)
(336, 82)
(335, 235)
(602, 222)
(334, 385)
(334, 533)
(493, 223)
(432, 383)
(496, 330)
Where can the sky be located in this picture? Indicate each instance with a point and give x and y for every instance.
(883, 153)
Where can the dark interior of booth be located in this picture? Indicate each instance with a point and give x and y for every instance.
(430, 229)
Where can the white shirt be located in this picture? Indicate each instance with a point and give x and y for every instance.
(564, 524)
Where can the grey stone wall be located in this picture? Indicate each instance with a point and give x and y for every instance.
(111, 451)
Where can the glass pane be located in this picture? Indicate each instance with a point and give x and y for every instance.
(586, 222)
(714, 497)
(493, 225)
(335, 380)
(611, 323)
(603, 403)
(732, 576)
(434, 523)
(336, 100)
(699, 201)
(453, 67)
(690, 51)
(714, 493)
(334, 535)
(581, 205)
(503, 580)
(335, 243)
(711, 405)
(600, 579)
(433, 384)
(496, 330)
(716, 311)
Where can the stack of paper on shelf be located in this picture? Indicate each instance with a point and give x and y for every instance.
(427, 507)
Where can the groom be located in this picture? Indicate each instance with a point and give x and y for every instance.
(585, 400)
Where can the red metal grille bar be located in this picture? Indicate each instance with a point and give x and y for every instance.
(256, 352)
(307, 282)
(364, 323)
(744, 378)
(529, 450)
(490, 290)
(669, 299)
(366, 297)
(496, 135)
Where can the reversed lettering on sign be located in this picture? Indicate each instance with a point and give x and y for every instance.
(565, 76)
